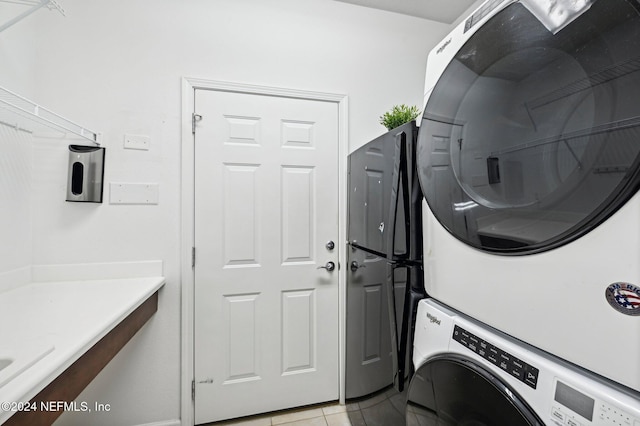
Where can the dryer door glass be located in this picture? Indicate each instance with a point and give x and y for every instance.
(454, 391)
(531, 139)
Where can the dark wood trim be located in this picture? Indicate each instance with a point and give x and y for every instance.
(70, 383)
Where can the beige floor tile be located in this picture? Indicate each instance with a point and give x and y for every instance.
(333, 409)
(294, 416)
(315, 421)
(338, 419)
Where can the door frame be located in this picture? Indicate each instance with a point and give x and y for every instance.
(187, 231)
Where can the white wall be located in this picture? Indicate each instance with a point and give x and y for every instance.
(17, 57)
(116, 66)
(17, 52)
(15, 201)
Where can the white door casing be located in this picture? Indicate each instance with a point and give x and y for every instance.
(266, 202)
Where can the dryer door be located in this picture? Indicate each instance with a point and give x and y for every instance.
(530, 139)
(452, 390)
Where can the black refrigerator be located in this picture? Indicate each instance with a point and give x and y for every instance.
(384, 256)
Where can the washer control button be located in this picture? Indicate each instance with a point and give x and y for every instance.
(572, 422)
(557, 415)
(531, 376)
(504, 360)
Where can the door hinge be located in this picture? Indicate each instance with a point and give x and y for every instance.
(193, 390)
(194, 119)
(193, 257)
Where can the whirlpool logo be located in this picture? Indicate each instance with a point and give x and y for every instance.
(433, 319)
(444, 46)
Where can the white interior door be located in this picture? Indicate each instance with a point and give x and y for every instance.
(266, 204)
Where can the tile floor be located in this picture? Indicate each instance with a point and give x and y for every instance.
(385, 408)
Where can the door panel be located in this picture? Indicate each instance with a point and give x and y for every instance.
(369, 363)
(371, 171)
(266, 203)
(242, 348)
(299, 321)
(241, 214)
(298, 187)
(372, 307)
(444, 137)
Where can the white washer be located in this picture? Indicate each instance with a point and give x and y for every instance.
(469, 374)
(529, 159)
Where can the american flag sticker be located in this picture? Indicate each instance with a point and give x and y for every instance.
(624, 298)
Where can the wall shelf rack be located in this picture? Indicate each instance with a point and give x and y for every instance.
(23, 114)
(32, 6)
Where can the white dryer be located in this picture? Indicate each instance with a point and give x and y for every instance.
(529, 160)
(470, 375)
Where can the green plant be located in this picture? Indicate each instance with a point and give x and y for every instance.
(398, 115)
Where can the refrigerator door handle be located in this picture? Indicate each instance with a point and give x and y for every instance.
(355, 266)
(399, 185)
(395, 189)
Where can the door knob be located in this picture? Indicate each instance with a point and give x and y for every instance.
(330, 245)
(355, 266)
(330, 266)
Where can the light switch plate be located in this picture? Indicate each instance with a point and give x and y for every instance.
(134, 193)
(140, 142)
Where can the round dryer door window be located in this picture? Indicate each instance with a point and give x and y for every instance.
(451, 390)
(531, 136)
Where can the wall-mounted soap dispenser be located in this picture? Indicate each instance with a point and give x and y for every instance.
(86, 173)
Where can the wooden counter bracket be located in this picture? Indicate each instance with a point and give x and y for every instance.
(70, 383)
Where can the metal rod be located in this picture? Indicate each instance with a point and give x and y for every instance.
(604, 128)
(575, 157)
(23, 15)
(10, 101)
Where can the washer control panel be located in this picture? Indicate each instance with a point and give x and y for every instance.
(516, 367)
(559, 393)
(573, 408)
(605, 415)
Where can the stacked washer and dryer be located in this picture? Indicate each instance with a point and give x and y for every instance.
(529, 160)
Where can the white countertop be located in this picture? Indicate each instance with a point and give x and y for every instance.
(45, 327)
